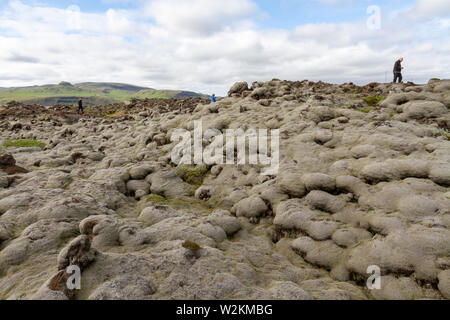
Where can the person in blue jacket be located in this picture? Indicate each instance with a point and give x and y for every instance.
(213, 98)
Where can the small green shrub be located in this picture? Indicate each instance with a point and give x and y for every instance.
(190, 245)
(23, 144)
(365, 109)
(119, 113)
(358, 90)
(156, 198)
(373, 101)
(194, 176)
(441, 132)
(435, 79)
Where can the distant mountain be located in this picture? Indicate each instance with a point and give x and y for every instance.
(93, 93)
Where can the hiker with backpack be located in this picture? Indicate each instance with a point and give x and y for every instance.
(398, 71)
(80, 106)
(213, 98)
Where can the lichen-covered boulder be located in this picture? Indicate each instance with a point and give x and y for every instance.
(238, 88)
(250, 207)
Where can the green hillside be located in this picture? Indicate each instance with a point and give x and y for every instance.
(93, 93)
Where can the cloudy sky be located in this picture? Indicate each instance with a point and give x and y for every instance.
(207, 45)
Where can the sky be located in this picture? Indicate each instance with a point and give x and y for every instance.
(207, 45)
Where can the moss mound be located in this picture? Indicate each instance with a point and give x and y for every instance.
(373, 101)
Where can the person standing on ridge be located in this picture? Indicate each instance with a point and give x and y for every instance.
(213, 98)
(398, 71)
(80, 106)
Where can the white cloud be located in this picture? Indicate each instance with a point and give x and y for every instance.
(205, 47)
(117, 22)
(426, 9)
(199, 16)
